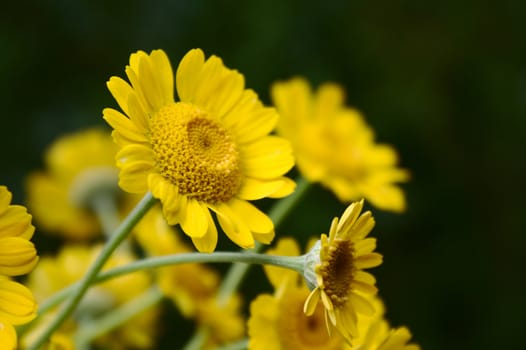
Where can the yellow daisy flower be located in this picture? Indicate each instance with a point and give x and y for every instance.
(277, 321)
(338, 276)
(17, 257)
(334, 146)
(211, 150)
(69, 266)
(192, 287)
(78, 165)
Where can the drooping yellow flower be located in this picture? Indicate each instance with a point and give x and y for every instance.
(338, 277)
(55, 273)
(192, 287)
(210, 150)
(78, 166)
(334, 146)
(18, 256)
(277, 322)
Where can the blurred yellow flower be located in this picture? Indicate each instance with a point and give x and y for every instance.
(55, 273)
(277, 321)
(78, 165)
(376, 334)
(18, 256)
(334, 146)
(211, 150)
(339, 280)
(192, 287)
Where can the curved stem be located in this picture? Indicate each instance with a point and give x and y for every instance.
(239, 345)
(295, 263)
(117, 237)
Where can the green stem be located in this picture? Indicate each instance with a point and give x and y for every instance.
(198, 339)
(117, 237)
(117, 317)
(291, 262)
(239, 345)
(103, 204)
(277, 213)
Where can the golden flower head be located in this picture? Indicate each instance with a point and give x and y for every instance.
(79, 166)
(341, 283)
(210, 150)
(333, 145)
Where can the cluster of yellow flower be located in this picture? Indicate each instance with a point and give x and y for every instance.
(198, 162)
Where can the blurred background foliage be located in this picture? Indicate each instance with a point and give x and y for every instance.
(444, 82)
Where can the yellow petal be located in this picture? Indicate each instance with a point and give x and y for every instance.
(164, 73)
(17, 305)
(256, 220)
(8, 335)
(267, 158)
(278, 275)
(5, 198)
(123, 125)
(312, 301)
(195, 222)
(207, 243)
(18, 256)
(16, 222)
(233, 226)
(133, 176)
(360, 304)
(187, 71)
(287, 188)
(368, 261)
(253, 189)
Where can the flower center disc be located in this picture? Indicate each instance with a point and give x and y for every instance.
(195, 153)
(337, 271)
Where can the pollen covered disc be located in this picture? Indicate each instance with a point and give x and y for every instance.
(195, 153)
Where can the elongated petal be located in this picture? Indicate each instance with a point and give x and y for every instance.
(195, 222)
(207, 243)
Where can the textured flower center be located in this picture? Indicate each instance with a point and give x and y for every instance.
(337, 271)
(298, 331)
(195, 153)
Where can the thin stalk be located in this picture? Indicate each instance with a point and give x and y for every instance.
(116, 238)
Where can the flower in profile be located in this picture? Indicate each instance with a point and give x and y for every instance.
(17, 257)
(209, 151)
(334, 267)
(334, 146)
(55, 273)
(277, 322)
(192, 287)
(79, 166)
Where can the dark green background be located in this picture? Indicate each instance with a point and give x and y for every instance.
(445, 82)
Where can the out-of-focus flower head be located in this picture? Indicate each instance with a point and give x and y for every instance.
(334, 146)
(18, 256)
(79, 166)
(69, 266)
(209, 151)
